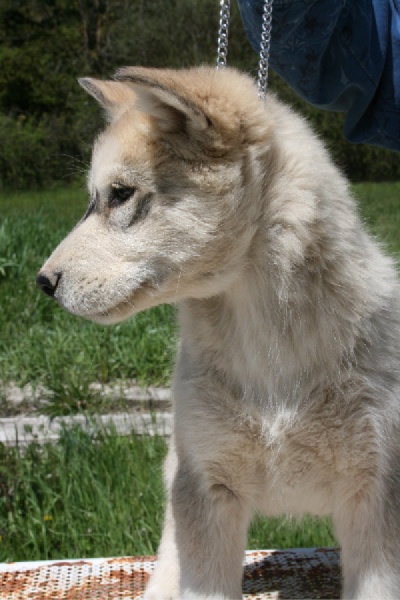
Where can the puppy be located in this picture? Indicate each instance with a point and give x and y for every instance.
(287, 384)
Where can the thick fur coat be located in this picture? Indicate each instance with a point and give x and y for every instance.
(287, 383)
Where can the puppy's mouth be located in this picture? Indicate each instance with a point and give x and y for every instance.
(90, 306)
(144, 297)
(117, 313)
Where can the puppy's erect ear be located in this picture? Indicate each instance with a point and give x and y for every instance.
(172, 113)
(113, 96)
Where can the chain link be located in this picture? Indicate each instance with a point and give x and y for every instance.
(265, 45)
(223, 32)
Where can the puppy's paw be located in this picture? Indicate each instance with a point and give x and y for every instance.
(156, 592)
(164, 581)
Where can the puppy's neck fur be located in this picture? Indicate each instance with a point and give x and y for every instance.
(304, 296)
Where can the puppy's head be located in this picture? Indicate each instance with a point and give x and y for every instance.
(168, 216)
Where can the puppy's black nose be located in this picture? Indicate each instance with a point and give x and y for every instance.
(47, 284)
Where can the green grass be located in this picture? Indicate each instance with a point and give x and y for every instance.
(380, 207)
(95, 494)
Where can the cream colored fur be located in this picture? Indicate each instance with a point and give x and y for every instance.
(287, 385)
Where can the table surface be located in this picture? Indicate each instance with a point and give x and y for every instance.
(302, 573)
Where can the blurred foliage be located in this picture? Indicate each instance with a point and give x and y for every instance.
(46, 44)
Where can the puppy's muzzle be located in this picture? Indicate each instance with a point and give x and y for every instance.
(48, 282)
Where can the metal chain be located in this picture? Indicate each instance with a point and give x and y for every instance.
(223, 32)
(265, 44)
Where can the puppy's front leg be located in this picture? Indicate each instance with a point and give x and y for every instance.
(211, 527)
(164, 583)
(368, 528)
(203, 541)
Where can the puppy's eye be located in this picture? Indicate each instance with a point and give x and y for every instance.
(120, 194)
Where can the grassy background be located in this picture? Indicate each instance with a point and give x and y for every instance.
(69, 499)
(380, 207)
